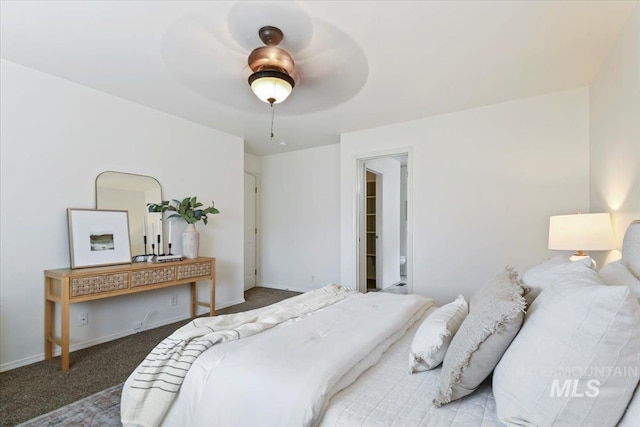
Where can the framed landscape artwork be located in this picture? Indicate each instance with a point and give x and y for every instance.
(98, 237)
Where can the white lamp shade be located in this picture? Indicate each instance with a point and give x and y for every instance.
(581, 232)
(267, 88)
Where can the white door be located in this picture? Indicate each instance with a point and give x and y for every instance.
(250, 231)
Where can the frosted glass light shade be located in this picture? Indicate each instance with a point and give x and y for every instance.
(581, 232)
(272, 87)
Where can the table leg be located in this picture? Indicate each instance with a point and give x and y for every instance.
(64, 330)
(194, 300)
(64, 325)
(212, 298)
(48, 327)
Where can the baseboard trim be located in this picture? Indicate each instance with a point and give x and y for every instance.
(230, 303)
(204, 310)
(90, 343)
(284, 288)
(85, 344)
(21, 362)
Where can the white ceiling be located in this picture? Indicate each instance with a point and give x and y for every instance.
(363, 64)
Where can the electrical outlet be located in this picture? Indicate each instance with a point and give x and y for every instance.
(174, 300)
(137, 326)
(84, 319)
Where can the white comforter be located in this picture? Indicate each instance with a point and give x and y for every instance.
(150, 390)
(285, 376)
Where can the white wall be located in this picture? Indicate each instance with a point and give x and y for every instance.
(389, 239)
(300, 218)
(57, 136)
(252, 163)
(482, 185)
(615, 130)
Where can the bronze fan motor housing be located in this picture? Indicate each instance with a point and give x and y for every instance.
(270, 58)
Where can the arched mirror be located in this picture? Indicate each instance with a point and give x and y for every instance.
(131, 192)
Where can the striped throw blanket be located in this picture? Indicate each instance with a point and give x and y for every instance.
(159, 377)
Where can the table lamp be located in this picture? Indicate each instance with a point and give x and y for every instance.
(580, 232)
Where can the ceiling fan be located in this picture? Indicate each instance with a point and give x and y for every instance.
(274, 70)
(214, 53)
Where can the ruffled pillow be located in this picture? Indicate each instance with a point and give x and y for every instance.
(495, 316)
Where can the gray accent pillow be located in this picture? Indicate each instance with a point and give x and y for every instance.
(495, 315)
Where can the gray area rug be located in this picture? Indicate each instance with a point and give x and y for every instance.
(98, 410)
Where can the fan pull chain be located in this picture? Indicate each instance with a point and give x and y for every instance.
(272, 115)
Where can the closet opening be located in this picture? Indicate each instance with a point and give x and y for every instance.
(383, 224)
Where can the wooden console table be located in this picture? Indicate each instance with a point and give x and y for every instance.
(65, 286)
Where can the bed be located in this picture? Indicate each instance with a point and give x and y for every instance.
(295, 363)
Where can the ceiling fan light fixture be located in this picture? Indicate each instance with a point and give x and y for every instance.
(271, 86)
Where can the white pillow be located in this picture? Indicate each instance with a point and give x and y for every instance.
(631, 248)
(575, 360)
(432, 339)
(615, 273)
(542, 275)
(631, 417)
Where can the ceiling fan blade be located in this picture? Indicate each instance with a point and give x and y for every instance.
(208, 67)
(329, 75)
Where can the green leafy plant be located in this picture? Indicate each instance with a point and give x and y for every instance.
(189, 209)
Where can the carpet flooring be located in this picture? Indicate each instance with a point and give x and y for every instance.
(42, 387)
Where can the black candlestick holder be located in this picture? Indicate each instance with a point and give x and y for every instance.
(146, 248)
(153, 249)
(169, 244)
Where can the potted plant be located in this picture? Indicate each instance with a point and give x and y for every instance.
(192, 211)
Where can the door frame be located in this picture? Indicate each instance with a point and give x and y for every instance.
(360, 214)
(257, 223)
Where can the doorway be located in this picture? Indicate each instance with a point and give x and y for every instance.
(383, 224)
(373, 217)
(250, 230)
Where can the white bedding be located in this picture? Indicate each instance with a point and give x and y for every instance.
(277, 377)
(152, 387)
(388, 395)
(343, 365)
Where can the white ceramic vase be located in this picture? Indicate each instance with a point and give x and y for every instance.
(190, 242)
